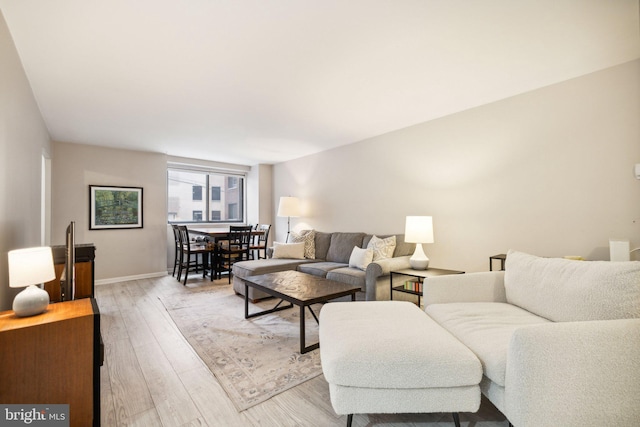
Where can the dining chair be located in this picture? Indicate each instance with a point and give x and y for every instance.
(259, 242)
(177, 249)
(235, 249)
(192, 255)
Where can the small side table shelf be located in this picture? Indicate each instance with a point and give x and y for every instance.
(421, 275)
(501, 257)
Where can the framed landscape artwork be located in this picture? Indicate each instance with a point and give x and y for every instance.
(114, 207)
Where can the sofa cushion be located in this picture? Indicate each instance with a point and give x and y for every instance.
(308, 237)
(322, 241)
(391, 345)
(348, 275)
(319, 268)
(360, 258)
(288, 250)
(567, 290)
(341, 246)
(486, 328)
(264, 266)
(403, 248)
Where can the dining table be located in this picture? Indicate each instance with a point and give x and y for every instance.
(216, 234)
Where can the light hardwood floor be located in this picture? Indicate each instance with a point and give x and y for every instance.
(152, 377)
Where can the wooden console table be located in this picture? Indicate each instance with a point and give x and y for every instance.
(54, 358)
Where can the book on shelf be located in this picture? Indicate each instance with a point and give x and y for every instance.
(413, 285)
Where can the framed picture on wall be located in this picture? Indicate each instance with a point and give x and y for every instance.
(114, 207)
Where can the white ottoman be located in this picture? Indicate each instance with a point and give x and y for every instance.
(390, 357)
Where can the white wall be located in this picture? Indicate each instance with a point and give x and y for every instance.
(549, 172)
(124, 253)
(23, 141)
(129, 253)
(260, 208)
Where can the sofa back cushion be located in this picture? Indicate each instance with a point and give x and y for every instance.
(342, 245)
(564, 290)
(403, 248)
(323, 240)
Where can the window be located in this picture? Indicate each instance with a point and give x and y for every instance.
(205, 196)
(215, 194)
(233, 211)
(197, 192)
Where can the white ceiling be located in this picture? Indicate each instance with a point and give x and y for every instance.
(265, 81)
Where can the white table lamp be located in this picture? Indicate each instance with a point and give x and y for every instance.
(419, 230)
(27, 268)
(289, 206)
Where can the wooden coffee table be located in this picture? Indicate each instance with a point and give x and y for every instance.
(299, 289)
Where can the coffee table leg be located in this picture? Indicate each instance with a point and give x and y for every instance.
(305, 349)
(246, 301)
(302, 330)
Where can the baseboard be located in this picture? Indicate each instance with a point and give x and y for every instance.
(129, 278)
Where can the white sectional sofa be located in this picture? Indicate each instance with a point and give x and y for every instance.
(558, 340)
(557, 343)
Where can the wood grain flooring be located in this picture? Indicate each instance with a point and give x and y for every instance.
(152, 377)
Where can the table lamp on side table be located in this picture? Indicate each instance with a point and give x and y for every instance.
(419, 230)
(27, 268)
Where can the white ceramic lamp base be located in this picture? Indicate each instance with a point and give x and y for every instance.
(419, 260)
(31, 301)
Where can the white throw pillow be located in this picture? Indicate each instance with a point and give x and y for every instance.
(360, 258)
(382, 248)
(288, 250)
(308, 237)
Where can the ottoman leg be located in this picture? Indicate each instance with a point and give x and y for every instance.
(349, 420)
(456, 419)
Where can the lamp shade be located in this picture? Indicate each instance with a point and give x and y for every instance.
(30, 266)
(289, 206)
(418, 229)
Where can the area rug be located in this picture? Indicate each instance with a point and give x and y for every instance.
(253, 359)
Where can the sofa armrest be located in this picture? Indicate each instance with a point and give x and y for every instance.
(574, 373)
(485, 286)
(380, 268)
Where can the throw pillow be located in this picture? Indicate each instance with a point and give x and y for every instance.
(382, 248)
(288, 250)
(308, 237)
(360, 258)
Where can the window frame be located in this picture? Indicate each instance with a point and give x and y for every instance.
(240, 177)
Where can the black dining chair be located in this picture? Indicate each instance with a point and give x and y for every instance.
(177, 249)
(235, 248)
(192, 255)
(259, 243)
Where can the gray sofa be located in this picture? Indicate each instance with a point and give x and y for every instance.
(332, 253)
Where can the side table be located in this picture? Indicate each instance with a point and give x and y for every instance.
(501, 257)
(421, 275)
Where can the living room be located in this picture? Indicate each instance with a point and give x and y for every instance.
(548, 170)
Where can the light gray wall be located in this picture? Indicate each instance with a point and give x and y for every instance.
(128, 253)
(125, 253)
(23, 141)
(260, 208)
(549, 172)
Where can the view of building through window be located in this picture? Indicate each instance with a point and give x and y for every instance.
(197, 196)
